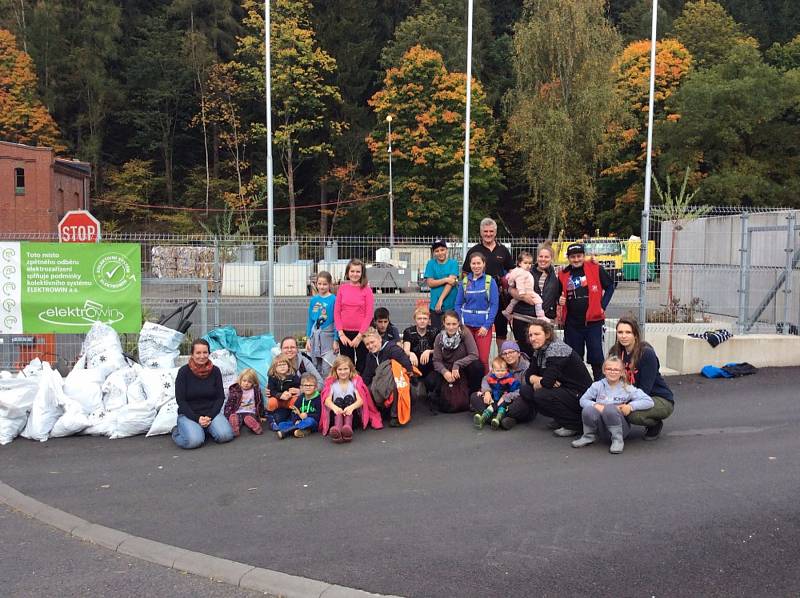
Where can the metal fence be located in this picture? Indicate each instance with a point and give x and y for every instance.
(697, 275)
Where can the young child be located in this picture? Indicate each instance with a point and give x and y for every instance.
(607, 403)
(441, 274)
(383, 324)
(495, 387)
(306, 409)
(522, 279)
(342, 399)
(245, 404)
(321, 343)
(284, 388)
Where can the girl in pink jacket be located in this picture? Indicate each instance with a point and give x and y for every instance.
(352, 313)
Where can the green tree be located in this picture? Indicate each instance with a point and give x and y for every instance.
(709, 32)
(562, 105)
(303, 95)
(23, 117)
(785, 57)
(159, 83)
(737, 125)
(427, 104)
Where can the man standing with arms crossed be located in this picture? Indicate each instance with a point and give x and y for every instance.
(498, 263)
(587, 290)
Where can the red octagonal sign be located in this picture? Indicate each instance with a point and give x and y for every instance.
(78, 226)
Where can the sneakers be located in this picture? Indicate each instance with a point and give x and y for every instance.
(584, 440)
(281, 434)
(301, 433)
(565, 432)
(653, 432)
(617, 444)
(479, 420)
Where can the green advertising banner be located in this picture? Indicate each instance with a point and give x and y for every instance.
(66, 287)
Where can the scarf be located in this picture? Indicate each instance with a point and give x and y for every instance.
(201, 371)
(451, 342)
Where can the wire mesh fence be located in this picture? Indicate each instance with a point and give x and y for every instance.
(696, 271)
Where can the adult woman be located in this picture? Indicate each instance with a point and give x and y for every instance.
(642, 370)
(300, 363)
(557, 378)
(547, 286)
(477, 303)
(455, 358)
(517, 366)
(199, 393)
(352, 313)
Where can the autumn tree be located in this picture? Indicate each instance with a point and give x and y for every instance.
(561, 106)
(23, 117)
(709, 32)
(427, 104)
(737, 126)
(624, 177)
(303, 95)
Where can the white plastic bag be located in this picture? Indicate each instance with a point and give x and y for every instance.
(226, 362)
(16, 399)
(73, 421)
(115, 388)
(159, 385)
(85, 386)
(102, 349)
(101, 423)
(133, 419)
(158, 345)
(46, 408)
(166, 419)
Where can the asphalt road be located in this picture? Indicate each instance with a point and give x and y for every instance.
(439, 509)
(38, 560)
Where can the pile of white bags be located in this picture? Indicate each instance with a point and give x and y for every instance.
(105, 394)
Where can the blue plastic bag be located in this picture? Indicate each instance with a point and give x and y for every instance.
(250, 351)
(712, 371)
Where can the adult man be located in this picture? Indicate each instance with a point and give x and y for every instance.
(498, 263)
(586, 292)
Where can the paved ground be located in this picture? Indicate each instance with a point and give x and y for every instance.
(439, 509)
(39, 560)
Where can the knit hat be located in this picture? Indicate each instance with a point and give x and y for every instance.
(509, 346)
(438, 243)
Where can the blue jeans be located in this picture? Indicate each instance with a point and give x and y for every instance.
(188, 434)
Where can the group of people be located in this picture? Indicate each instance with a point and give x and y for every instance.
(359, 370)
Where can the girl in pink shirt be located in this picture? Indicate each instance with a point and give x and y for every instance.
(352, 313)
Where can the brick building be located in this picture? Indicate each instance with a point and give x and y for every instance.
(37, 189)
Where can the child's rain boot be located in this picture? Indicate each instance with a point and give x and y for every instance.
(336, 429)
(347, 428)
(617, 441)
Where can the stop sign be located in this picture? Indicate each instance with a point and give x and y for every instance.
(78, 226)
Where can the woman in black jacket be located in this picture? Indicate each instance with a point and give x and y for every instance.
(556, 380)
(548, 287)
(199, 393)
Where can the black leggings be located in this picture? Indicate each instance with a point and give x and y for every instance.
(358, 355)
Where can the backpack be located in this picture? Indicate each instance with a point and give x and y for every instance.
(454, 397)
(487, 283)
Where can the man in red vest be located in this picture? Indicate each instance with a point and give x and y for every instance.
(586, 292)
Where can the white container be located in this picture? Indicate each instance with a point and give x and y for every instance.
(334, 267)
(245, 280)
(291, 280)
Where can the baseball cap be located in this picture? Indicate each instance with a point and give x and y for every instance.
(575, 248)
(438, 243)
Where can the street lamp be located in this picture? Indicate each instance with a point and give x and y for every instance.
(391, 196)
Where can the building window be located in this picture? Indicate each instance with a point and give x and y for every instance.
(19, 181)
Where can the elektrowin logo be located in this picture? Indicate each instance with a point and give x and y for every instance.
(90, 312)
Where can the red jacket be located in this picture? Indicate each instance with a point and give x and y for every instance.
(594, 312)
(370, 416)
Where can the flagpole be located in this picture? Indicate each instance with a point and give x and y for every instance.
(270, 194)
(465, 218)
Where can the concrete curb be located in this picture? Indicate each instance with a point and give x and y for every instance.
(271, 583)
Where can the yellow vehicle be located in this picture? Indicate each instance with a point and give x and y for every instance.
(606, 251)
(631, 261)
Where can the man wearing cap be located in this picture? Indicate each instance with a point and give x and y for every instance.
(441, 275)
(498, 263)
(586, 292)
